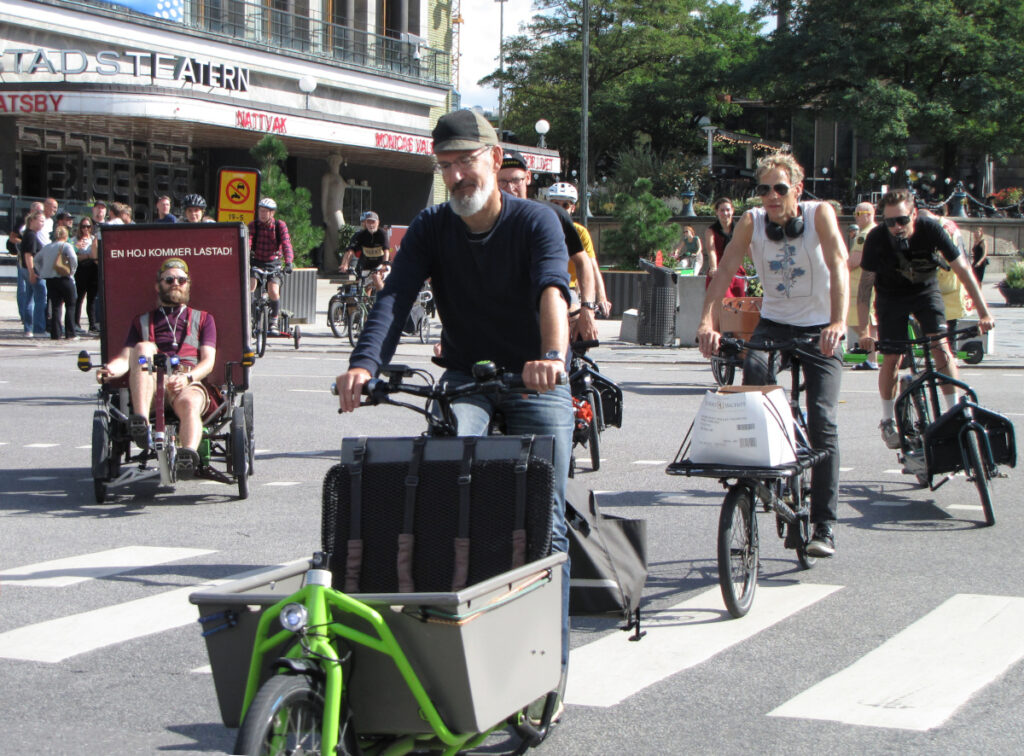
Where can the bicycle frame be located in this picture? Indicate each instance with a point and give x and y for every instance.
(321, 603)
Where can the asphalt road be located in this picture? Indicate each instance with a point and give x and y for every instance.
(913, 629)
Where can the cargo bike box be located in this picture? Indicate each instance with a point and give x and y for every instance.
(482, 651)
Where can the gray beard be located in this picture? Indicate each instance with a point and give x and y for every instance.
(474, 203)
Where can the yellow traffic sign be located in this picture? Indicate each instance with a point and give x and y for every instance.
(238, 193)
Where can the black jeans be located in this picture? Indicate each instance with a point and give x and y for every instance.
(61, 291)
(822, 377)
(87, 284)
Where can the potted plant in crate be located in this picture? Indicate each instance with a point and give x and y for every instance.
(1012, 287)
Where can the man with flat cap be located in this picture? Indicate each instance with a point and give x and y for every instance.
(499, 270)
(173, 328)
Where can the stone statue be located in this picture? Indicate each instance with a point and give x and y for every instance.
(332, 197)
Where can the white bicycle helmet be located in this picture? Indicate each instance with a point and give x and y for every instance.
(268, 203)
(563, 191)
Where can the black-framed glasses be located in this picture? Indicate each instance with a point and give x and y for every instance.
(464, 163)
(171, 280)
(899, 220)
(761, 190)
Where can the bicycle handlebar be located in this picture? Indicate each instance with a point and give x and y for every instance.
(735, 346)
(927, 340)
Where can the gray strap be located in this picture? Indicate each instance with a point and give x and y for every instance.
(519, 531)
(354, 562)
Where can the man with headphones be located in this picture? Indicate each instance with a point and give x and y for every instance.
(900, 261)
(800, 256)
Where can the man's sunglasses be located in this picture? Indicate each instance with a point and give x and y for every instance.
(171, 280)
(761, 190)
(899, 220)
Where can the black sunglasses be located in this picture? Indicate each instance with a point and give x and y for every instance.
(761, 190)
(899, 220)
(171, 280)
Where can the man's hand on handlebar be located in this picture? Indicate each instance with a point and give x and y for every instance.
(831, 335)
(707, 341)
(584, 327)
(986, 324)
(543, 375)
(350, 387)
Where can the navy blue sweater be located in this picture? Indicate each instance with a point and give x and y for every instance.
(487, 287)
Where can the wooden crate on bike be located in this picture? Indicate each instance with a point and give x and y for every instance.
(739, 316)
(942, 439)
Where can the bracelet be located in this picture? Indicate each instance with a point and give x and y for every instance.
(589, 305)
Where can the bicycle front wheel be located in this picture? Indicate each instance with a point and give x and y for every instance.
(262, 325)
(738, 550)
(336, 318)
(285, 717)
(979, 471)
(594, 442)
(356, 319)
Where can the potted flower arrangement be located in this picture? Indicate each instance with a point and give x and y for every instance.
(1012, 287)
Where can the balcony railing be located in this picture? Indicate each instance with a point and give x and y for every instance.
(264, 25)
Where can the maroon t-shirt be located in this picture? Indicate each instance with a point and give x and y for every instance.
(170, 325)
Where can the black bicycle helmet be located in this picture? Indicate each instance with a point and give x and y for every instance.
(194, 200)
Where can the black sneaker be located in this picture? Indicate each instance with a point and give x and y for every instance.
(823, 542)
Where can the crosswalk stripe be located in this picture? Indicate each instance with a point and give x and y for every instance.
(59, 639)
(60, 573)
(918, 678)
(609, 670)
(40, 446)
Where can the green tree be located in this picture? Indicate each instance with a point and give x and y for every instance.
(644, 226)
(940, 72)
(655, 68)
(294, 206)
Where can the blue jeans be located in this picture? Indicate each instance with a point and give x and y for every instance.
(548, 414)
(31, 303)
(822, 376)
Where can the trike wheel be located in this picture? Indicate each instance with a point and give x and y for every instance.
(424, 330)
(100, 445)
(973, 352)
(250, 422)
(99, 490)
(297, 336)
(240, 452)
(336, 318)
(285, 717)
(737, 551)
(594, 442)
(723, 371)
(356, 318)
(262, 325)
(979, 471)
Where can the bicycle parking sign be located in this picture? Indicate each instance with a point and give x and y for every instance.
(237, 194)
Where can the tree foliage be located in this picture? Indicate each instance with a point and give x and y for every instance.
(943, 72)
(644, 226)
(655, 68)
(294, 206)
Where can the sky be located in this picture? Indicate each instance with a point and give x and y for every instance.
(480, 44)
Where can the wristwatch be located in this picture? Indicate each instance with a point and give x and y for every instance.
(553, 354)
(589, 305)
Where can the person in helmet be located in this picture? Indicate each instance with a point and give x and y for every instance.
(269, 245)
(195, 208)
(371, 248)
(173, 328)
(514, 178)
(564, 195)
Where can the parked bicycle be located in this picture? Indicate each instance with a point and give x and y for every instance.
(784, 490)
(966, 438)
(596, 401)
(393, 671)
(261, 317)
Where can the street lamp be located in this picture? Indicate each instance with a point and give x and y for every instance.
(542, 127)
(501, 65)
(307, 85)
(705, 123)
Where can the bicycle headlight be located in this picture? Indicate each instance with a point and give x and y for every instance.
(294, 617)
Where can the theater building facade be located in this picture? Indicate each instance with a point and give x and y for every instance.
(131, 100)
